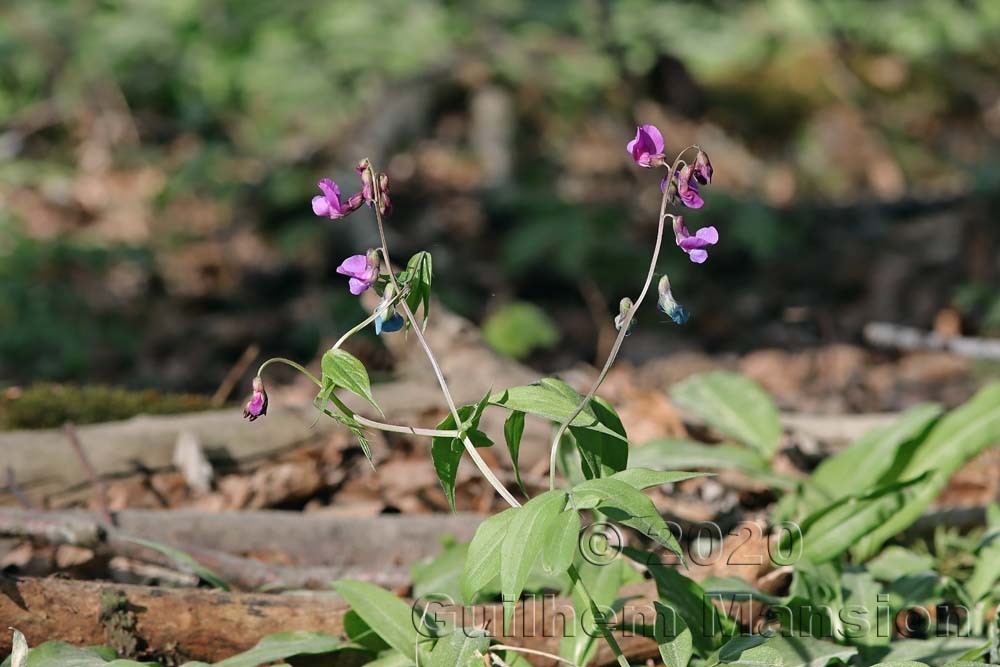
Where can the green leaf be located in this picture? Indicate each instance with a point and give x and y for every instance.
(644, 478)
(958, 437)
(417, 277)
(861, 593)
(863, 466)
(182, 560)
(625, 504)
(687, 599)
(672, 635)
(935, 651)
(580, 642)
(553, 400)
(447, 452)
(347, 372)
(442, 574)
(834, 530)
(518, 329)
(463, 647)
(666, 453)
(360, 633)
(895, 561)
(390, 659)
(602, 455)
(61, 654)
(562, 536)
(513, 429)
(810, 652)
(522, 545)
(282, 645)
(986, 572)
(390, 617)
(733, 404)
(747, 651)
(482, 565)
(903, 663)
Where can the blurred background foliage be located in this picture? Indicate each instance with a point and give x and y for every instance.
(157, 161)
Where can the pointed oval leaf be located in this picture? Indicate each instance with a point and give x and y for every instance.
(346, 371)
(390, 617)
(672, 635)
(554, 400)
(281, 645)
(464, 647)
(644, 478)
(523, 544)
(561, 540)
(735, 405)
(513, 429)
(482, 565)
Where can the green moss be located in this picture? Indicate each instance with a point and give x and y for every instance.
(51, 405)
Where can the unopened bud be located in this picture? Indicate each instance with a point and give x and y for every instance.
(702, 168)
(384, 205)
(624, 306)
(668, 305)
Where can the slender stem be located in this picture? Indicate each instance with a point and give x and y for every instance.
(483, 467)
(288, 362)
(623, 330)
(393, 428)
(531, 651)
(371, 423)
(368, 320)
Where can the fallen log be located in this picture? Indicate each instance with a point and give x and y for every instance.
(198, 624)
(320, 548)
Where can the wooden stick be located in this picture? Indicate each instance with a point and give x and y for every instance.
(100, 489)
(885, 334)
(234, 375)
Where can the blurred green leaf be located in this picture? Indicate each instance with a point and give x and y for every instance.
(517, 329)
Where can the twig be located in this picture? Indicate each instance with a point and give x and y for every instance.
(531, 651)
(15, 490)
(234, 375)
(100, 489)
(886, 334)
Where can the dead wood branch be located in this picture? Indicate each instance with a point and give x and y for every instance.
(885, 334)
(211, 625)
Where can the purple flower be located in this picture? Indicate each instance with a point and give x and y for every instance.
(385, 206)
(694, 245)
(257, 405)
(702, 168)
(647, 147)
(687, 188)
(329, 204)
(363, 270)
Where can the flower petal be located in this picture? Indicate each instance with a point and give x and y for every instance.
(698, 256)
(655, 138)
(321, 206)
(357, 286)
(355, 265)
(709, 234)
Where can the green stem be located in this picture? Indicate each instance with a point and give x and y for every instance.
(623, 330)
(371, 423)
(368, 320)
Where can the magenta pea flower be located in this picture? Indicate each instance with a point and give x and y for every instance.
(257, 405)
(362, 269)
(694, 244)
(647, 147)
(329, 205)
(702, 168)
(687, 187)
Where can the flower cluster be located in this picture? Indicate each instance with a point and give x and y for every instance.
(680, 185)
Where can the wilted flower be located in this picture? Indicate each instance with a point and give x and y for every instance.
(694, 245)
(624, 306)
(363, 270)
(702, 168)
(683, 188)
(257, 405)
(647, 147)
(385, 206)
(364, 168)
(668, 305)
(329, 204)
(386, 318)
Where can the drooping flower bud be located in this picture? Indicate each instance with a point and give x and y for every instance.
(667, 304)
(702, 168)
(624, 306)
(384, 205)
(257, 405)
(364, 168)
(687, 188)
(386, 318)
